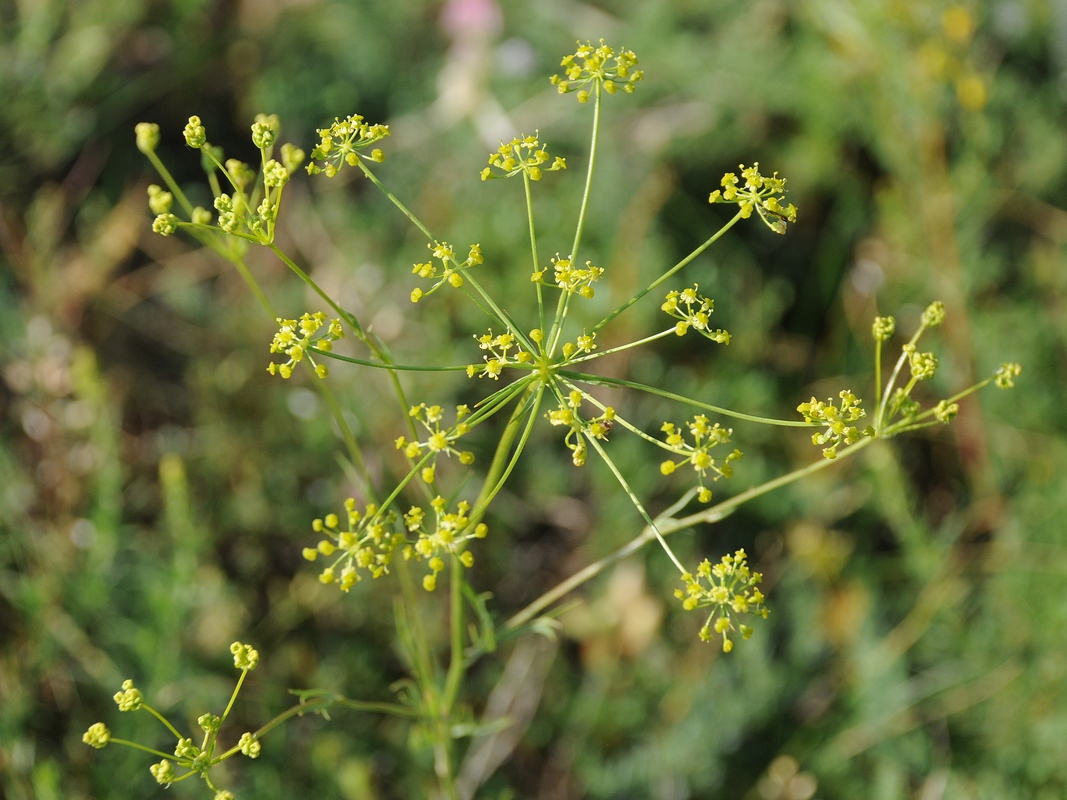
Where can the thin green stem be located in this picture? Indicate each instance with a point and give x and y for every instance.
(168, 179)
(878, 374)
(620, 348)
(562, 307)
(390, 366)
(564, 588)
(127, 743)
(233, 697)
(496, 477)
(598, 380)
(500, 399)
(396, 201)
(714, 238)
(637, 503)
(252, 283)
(354, 451)
(162, 719)
(588, 176)
(880, 416)
(533, 253)
(629, 426)
(457, 662)
(346, 316)
(666, 525)
(892, 430)
(720, 510)
(501, 315)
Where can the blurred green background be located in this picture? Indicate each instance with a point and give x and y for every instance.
(156, 485)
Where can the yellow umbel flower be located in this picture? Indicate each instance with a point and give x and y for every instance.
(366, 543)
(343, 143)
(590, 67)
(693, 310)
(296, 337)
(451, 532)
(729, 588)
(524, 154)
(706, 437)
(500, 355)
(836, 419)
(440, 440)
(450, 271)
(759, 193)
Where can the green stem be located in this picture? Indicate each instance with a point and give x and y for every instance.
(718, 511)
(168, 756)
(162, 719)
(588, 176)
(620, 348)
(172, 184)
(900, 426)
(564, 588)
(457, 662)
(533, 252)
(667, 525)
(495, 479)
(233, 697)
(501, 315)
(390, 366)
(880, 416)
(354, 451)
(878, 374)
(598, 380)
(715, 237)
(346, 316)
(637, 503)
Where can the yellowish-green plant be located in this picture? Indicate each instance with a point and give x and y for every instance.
(534, 374)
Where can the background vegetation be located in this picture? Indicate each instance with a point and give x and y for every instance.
(156, 486)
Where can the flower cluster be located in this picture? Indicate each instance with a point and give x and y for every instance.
(197, 760)
(585, 343)
(570, 278)
(692, 310)
(97, 736)
(1006, 374)
(450, 534)
(439, 441)
(522, 155)
(129, 698)
(265, 131)
(601, 66)
(450, 270)
(159, 201)
(367, 543)
(729, 589)
(342, 143)
(883, 328)
(760, 193)
(923, 365)
(836, 419)
(500, 355)
(296, 337)
(245, 657)
(579, 427)
(698, 454)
